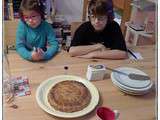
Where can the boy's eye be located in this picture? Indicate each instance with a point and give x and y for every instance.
(92, 16)
(100, 18)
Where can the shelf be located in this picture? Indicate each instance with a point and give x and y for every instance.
(144, 5)
(143, 33)
(153, 1)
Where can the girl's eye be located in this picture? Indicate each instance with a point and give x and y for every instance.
(33, 16)
(25, 17)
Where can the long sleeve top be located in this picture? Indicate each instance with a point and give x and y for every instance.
(27, 38)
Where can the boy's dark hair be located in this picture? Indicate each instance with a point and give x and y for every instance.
(101, 8)
(35, 5)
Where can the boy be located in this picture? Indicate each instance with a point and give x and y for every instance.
(100, 37)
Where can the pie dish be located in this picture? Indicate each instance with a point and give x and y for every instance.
(44, 88)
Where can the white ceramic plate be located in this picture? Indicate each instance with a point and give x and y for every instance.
(131, 92)
(127, 89)
(125, 80)
(43, 89)
(114, 78)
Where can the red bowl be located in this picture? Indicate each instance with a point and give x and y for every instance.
(105, 113)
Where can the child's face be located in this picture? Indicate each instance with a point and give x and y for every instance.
(32, 18)
(98, 22)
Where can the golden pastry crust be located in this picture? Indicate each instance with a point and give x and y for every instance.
(69, 96)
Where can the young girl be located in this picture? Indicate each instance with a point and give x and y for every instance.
(35, 38)
(100, 37)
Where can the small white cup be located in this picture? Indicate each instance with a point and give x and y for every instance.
(96, 72)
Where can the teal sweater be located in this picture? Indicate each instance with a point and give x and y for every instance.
(27, 38)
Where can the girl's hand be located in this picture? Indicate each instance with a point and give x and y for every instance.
(40, 52)
(37, 55)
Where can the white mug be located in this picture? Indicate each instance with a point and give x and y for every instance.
(96, 72)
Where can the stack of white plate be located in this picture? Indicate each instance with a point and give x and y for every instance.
(131, 86)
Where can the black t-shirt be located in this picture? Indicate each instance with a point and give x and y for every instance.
(111, 37)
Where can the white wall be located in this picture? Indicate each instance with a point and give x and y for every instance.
(71, 9)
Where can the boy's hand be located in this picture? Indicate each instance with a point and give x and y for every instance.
(100, 47)
(89, 55)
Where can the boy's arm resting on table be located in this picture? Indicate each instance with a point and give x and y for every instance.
(106, 54)
(20, 47)
(83, 50)
(79, 44)
(52, 42)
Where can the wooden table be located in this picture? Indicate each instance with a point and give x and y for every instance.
(130, 107)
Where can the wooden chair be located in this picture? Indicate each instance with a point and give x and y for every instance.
(74, 26)
(125, 6)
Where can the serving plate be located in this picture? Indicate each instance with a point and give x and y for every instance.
(43, 89)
